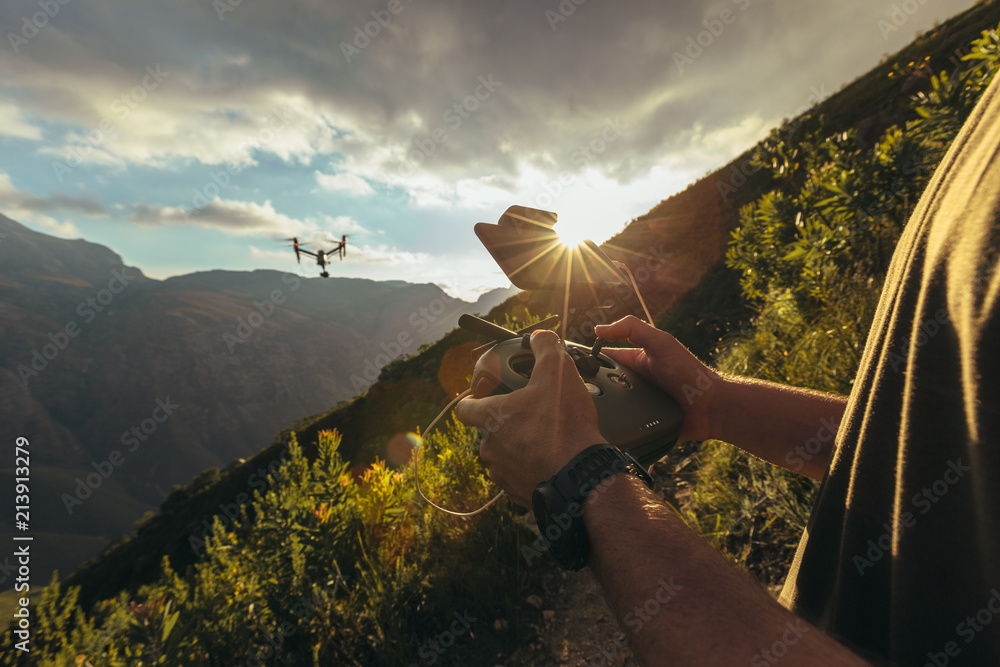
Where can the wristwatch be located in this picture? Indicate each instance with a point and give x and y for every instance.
(558, 502)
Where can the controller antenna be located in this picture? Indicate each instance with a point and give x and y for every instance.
(598, 346)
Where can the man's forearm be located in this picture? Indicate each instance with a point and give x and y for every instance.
(791, 427)
(678, 601)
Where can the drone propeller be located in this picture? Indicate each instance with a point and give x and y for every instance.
(343, 247)
(296, 245)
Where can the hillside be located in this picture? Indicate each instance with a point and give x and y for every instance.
(178, 375)
(695, 225)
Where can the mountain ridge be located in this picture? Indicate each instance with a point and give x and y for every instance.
(700, 214)
(89, 347)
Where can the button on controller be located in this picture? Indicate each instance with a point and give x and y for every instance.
(633, 414)
(620, 380)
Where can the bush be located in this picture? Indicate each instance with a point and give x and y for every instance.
(330, 570)
(812, 254)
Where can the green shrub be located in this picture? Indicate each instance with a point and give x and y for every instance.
(812, 254)
(330, 570)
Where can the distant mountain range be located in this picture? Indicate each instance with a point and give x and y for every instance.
(127, 385)
(237, 378)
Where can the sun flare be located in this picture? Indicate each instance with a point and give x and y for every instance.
(570, 237)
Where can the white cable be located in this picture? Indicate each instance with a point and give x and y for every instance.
(468, 392)
(635, 287)
(416, 455)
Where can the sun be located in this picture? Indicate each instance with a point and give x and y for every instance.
(569, 236)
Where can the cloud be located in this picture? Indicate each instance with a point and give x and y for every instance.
(17, 199)
(345, 182)
(65, 229)
(446, 108)
(28, 207)
(385, 254)
(342, 224)
(12, 123)
(270, 255)
(444, 92)
(232, 217)
(410, 262)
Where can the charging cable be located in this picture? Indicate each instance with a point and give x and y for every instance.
(635, 288)
(468, 392)
(416, 455)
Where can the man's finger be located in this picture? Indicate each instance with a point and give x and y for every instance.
(629, 328)
(549, 354)
(474, 411)
(623, 355)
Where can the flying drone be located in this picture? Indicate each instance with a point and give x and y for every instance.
(321, 256)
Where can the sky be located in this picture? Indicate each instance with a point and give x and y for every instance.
(194, 135)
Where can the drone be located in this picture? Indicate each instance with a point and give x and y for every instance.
(321, 255)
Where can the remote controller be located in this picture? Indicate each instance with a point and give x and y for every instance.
(633, 414)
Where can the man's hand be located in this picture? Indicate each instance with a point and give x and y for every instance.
(791, 427)
(662, 360)
(531, 433)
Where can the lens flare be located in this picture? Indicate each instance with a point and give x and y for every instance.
(570, 237)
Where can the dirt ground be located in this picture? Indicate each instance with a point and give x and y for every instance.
(576, 627)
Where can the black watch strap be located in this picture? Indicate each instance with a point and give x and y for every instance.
(558, 502)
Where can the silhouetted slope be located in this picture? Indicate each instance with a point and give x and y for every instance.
(177, 375)
(687, 232)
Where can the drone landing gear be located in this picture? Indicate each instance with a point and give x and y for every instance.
(325, 274)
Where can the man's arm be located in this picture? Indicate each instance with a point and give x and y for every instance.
(678, 601)
(713, 613)
(791, 427)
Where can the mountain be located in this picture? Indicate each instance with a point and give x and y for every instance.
(177, 375)
(679, 243)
